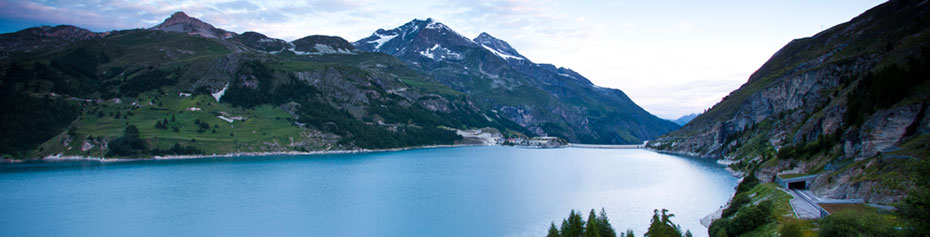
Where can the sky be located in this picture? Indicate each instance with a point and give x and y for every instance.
(671, 57)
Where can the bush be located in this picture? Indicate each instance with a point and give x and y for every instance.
(749, 219)
(915, 209)
(738, 201)
(718, 228)
(128, 145)
(858, 223)
(791, 229)
(177, 149)
(748, 182)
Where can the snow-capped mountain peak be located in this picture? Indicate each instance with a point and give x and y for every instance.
(420, 38)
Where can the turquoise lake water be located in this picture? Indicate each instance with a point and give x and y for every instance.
(466, 191)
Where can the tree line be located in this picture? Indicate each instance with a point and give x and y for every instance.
(598, 225)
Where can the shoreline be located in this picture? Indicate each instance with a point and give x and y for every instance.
(54, 159)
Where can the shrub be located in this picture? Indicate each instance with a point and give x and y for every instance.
(791, 229)
(861, 223)
(738, 201)
(749, 219)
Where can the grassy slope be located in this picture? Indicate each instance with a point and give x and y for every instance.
(127, 56)
(263, 124)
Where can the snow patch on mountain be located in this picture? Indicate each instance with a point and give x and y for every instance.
(320, 50)
(438, 53)
(220, 93)
(435, 25)
(326, 49)
(381, 40)
(502, 54)
(430, 52)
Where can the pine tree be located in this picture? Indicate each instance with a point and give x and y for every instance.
(563, 231)
(573, 226)
(553, 232)
(603, 225)
(629, 233)
(590, 230)
(662, 226)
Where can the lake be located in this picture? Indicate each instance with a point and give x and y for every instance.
(464, 191)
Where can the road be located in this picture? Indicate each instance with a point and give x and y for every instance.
(804, 204)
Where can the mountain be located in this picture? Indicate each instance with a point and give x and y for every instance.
(45, 36)
(685, 119)
(185, 87)
(180, 22)
(545, 99)
(850, 103)
(322, 44)
(418, 38)
(499, 47)
(259, 41)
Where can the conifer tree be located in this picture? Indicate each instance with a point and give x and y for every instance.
(603, 225)
(573, 226)
(590, 230)
(662, 225)
(553, 232)
(629, 233)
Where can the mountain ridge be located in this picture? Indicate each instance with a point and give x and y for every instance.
(490, 68)
(185, 87)
(852, 94)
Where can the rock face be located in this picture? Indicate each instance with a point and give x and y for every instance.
(825, 102)
(180, 22)
(545, 99)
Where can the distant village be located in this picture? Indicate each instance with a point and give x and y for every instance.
(536, 142)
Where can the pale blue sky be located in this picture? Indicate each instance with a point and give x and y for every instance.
(671, 57)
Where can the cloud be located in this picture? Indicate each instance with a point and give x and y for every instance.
(237, 6)
(684, 27)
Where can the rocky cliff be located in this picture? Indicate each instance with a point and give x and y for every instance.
(849, 103)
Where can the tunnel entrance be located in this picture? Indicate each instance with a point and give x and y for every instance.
(797, 185)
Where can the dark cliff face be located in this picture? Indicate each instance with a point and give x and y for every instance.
(853, 94)
(545, 99)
